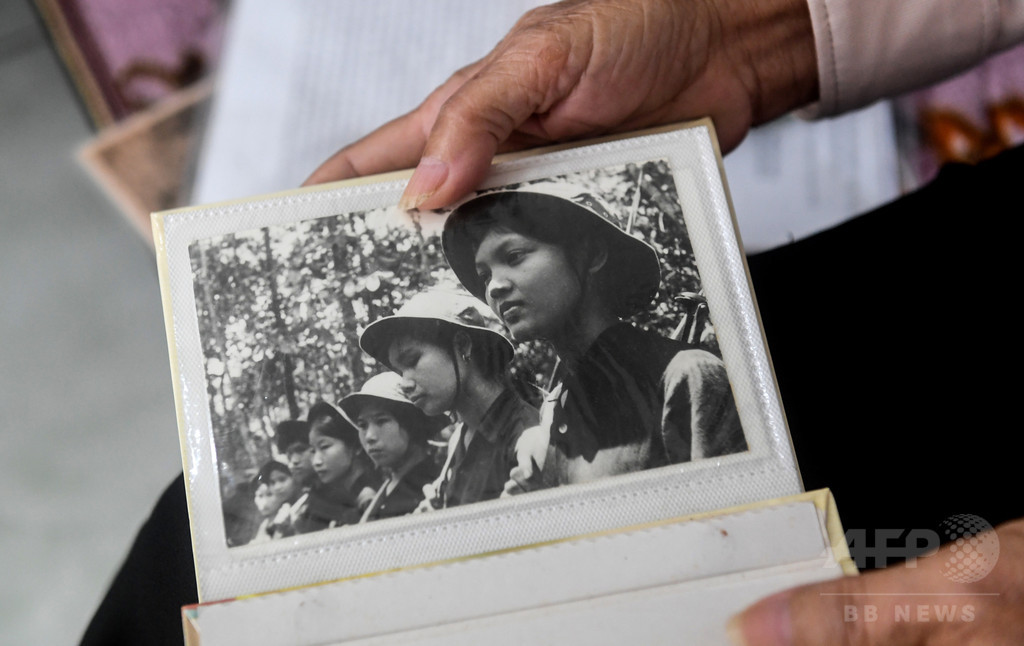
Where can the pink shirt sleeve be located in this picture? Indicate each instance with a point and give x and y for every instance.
(872, 49)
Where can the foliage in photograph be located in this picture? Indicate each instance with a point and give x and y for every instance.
(281, 308)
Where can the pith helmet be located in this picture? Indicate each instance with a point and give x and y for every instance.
(437, 307)
(341, 426)
(632, 270)
(387, 387)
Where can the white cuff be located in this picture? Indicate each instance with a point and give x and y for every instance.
(870, 49)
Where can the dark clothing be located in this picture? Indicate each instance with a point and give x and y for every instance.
(893, 336)
(241, 518)
(637, 400)
(406, 495)
(158, 577)
(479, 471)
(334, 504)
(888, 335)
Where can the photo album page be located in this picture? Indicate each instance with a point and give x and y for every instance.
(565, 368)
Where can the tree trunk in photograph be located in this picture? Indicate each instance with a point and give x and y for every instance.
(270, 269)
(353, 355)
(232, 436)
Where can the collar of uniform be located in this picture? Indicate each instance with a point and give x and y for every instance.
(500, 410)
(394, 476)
(613, 340)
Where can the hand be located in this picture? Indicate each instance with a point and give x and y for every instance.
(583, 68)
(531, 455)
(523, 479)
(863, 610)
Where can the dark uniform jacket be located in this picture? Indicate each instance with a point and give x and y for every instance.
(406, 495)
(637, 400)
(334, 504)
(479, 471)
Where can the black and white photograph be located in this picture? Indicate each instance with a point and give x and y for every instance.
(370, 365)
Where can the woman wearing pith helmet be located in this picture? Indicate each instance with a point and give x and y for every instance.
(346, 474)
(394, 433)
(451, 359)
(555, 264)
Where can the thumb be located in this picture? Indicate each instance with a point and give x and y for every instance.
(914, 603)
(855, 611)
(477, 119)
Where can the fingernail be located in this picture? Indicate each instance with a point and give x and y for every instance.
(766, 623)
(429, 175)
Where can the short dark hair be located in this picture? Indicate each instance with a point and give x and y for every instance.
(566, 232)
(263, 475)
(291, 432)
(579, 238)
(420, 426)
(580, 225)
(327, 420)
(491, 359)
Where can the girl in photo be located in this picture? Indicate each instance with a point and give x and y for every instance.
(276, 497)
(266, 508)
(554, 264)
(347, 477)
(292, 439)
(450, 359)
(394, 433)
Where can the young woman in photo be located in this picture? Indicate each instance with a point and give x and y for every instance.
(347, 477)
(451, 359)
(394, 433)
(554, 264)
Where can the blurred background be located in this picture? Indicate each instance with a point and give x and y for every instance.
(88, 438)
(111, 109)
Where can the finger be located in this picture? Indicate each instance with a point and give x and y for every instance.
(396, 145)
(478, 118)
(837, 612)
(918, 605)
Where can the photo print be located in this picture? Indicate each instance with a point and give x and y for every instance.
(365, 366)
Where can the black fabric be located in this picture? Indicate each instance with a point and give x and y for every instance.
(616, 393)
(408, 494)
(895, 344)
(336, 502)
(143, 604)
(478, 471)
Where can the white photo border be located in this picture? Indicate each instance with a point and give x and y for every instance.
(767, 470)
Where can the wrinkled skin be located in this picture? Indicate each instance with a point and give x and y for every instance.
(989, 611)
(584, 68)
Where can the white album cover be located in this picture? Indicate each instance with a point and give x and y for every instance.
(574, 348)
